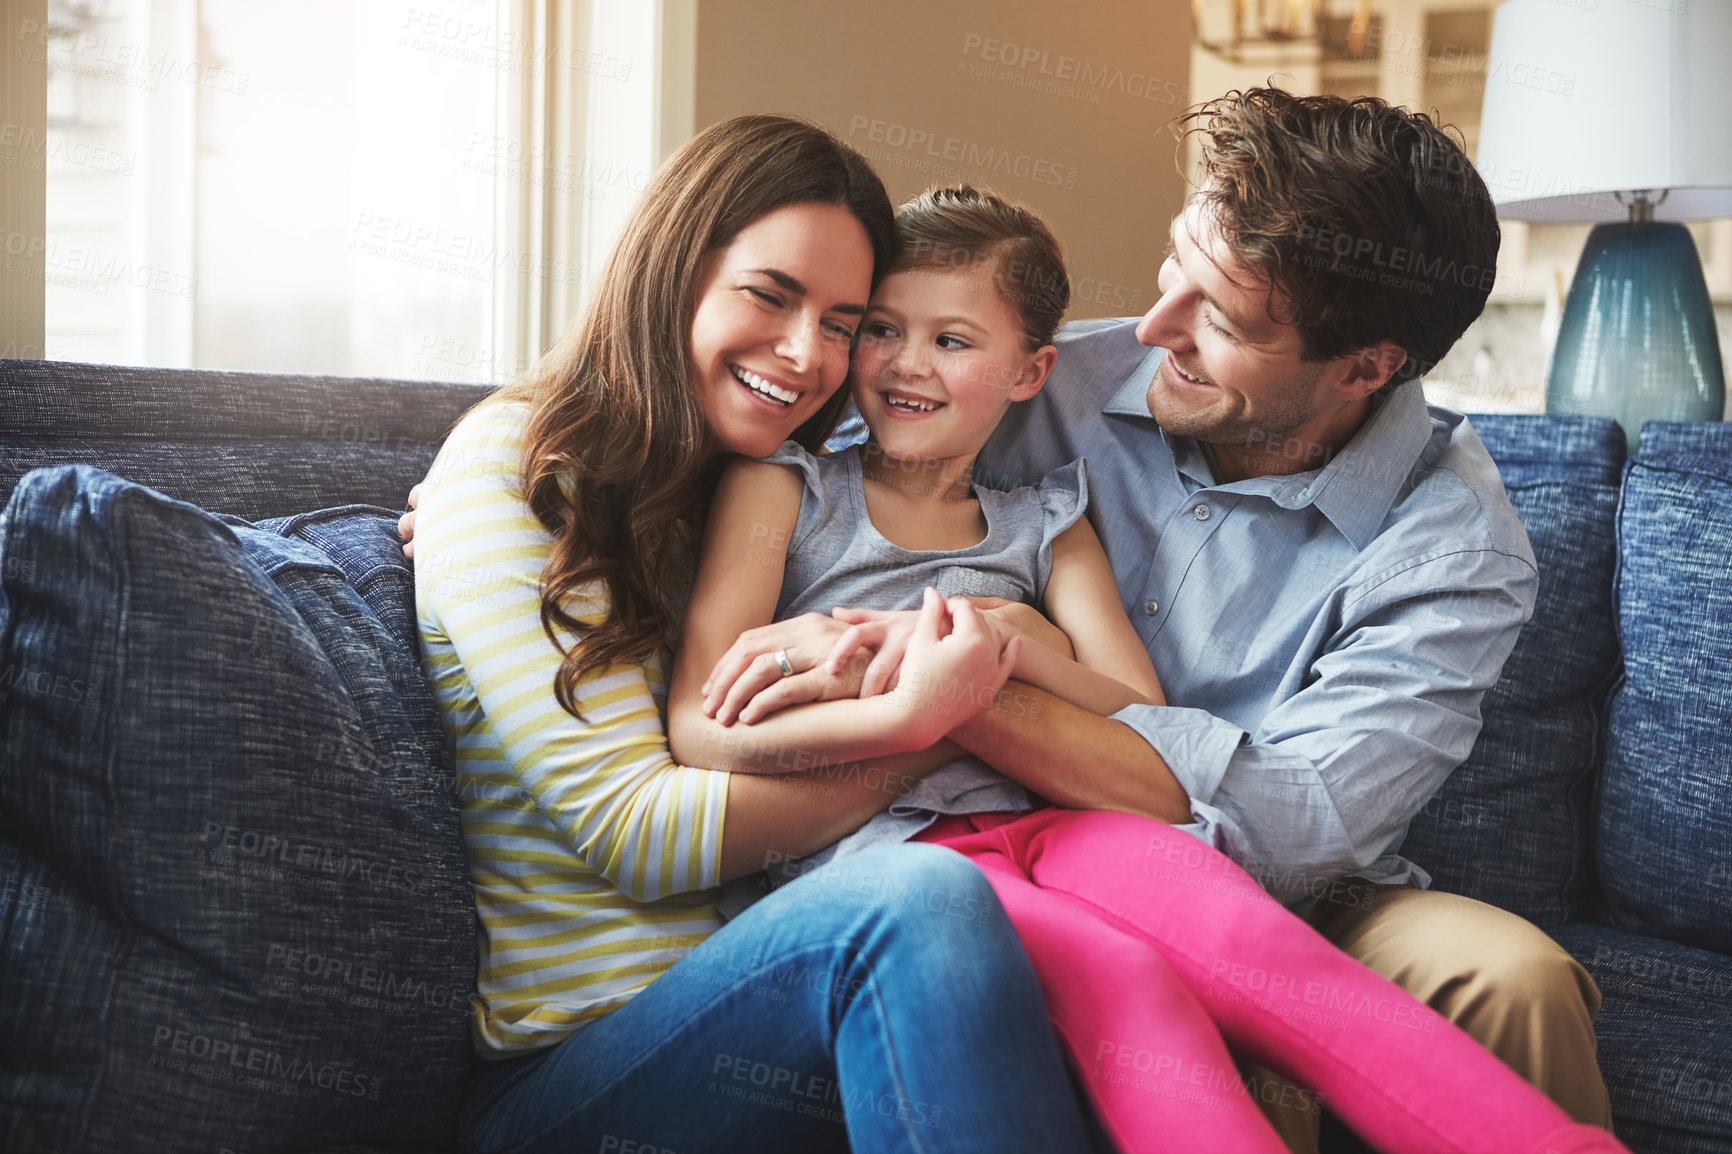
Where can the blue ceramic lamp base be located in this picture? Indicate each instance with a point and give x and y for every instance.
(1637, 341)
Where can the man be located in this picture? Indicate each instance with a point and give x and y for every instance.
(1328, 575)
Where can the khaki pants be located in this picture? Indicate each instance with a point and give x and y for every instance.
(1493, 974)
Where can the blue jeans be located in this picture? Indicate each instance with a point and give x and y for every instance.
(882, 1002)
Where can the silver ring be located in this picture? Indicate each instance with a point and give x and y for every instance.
(782, 660)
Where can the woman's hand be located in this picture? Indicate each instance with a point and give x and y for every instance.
(748, 683)
(956, 663)
(406, 523)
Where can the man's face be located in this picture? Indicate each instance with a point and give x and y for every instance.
(1232, 375)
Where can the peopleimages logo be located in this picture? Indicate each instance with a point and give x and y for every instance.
(98, 268)
(1064, 69)
(938, 154)
(336, 971)
(1374, 255)
(28, 149)
(121, 62)
(227, 1060)
(307, 857)
(42, 682)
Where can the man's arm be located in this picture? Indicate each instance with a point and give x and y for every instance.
(774, 818)
(1073, 757)
(1333, 774)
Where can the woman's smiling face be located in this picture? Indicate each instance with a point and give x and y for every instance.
(776, 315)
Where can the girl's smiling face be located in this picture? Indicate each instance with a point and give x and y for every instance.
(940, 357)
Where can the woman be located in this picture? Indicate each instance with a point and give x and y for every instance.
(885, 1001)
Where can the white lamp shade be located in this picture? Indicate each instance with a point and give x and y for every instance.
(1609, 96)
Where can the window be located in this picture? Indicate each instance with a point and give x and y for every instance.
(355, 187)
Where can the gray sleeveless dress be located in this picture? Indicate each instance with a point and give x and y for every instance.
(836, 557)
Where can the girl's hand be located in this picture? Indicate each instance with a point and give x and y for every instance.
(1027, 622)
(749, 668)
(880, 633)
(957, 661)
(887, 632)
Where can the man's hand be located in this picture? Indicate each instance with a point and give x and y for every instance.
(748, 684)
(406, 523)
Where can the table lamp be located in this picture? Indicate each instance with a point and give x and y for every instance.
(1619, 113)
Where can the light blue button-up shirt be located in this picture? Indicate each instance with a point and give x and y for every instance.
(1324, 637)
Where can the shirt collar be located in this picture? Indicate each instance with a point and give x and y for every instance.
(1354, 490)
(1357, 487)
(1132, 399)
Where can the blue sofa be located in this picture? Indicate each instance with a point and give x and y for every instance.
(235, 916)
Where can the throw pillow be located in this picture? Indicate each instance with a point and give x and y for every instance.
(234, 905)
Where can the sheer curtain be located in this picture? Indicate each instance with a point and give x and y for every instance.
(355, 187)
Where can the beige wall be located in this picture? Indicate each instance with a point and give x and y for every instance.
(1059, 105)
(23, 177)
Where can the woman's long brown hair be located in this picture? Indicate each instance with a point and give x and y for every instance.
(616, 445)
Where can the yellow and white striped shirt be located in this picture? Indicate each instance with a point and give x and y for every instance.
(593, 855)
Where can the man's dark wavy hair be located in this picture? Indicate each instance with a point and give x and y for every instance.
(1369, 220)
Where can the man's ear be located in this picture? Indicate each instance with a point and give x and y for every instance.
(1035, 373)
(1370, 368)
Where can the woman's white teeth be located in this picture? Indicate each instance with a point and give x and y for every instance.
(764, 388)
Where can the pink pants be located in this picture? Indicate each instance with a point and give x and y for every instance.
(1155, 952)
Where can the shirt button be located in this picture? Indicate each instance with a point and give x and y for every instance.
(1151, 607)
(1201, 512)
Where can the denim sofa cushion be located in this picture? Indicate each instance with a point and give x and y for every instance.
(1665, 1038)
(1511, 825)
(362, 542)
(234, 905)
(1665, 831)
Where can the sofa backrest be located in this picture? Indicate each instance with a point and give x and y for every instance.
(1665, 805)
(253, 444)
(1514, 824)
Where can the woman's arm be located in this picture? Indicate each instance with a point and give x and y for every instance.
(605, 783)
(738, 583)
(1112, 668)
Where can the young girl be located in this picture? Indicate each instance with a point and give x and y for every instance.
(1153, 949)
